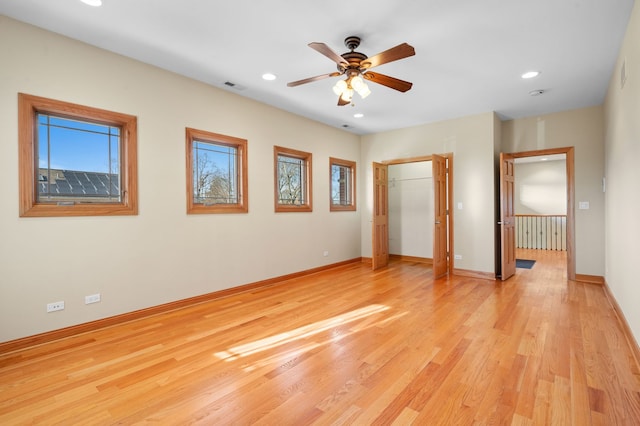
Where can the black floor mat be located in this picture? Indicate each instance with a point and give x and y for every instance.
(525, 263)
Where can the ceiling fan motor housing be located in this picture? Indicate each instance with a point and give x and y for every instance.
(353, 58)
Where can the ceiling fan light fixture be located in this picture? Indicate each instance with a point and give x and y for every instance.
(347, 95)
(340, 87)
(357, 83)
(364, 91)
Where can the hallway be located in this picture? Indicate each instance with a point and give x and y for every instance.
(552, 262)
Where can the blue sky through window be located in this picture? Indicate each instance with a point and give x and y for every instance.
(69, 144)
(215, 158)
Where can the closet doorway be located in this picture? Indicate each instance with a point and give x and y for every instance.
(411, 214)
(437, 187)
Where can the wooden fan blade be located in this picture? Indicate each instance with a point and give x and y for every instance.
(342, 102)
(311, 79)
(328, 52)
(401, 51)
(385, 80)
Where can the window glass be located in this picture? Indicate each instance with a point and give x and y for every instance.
(342, 174)
(292, 180)
(215, 173)
(77, 160)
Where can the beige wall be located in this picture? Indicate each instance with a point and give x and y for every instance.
(622, 197)
(541, 187)
(584, 130)
(471, 140)
(160, 255)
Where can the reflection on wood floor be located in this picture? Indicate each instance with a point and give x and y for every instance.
(347, 346)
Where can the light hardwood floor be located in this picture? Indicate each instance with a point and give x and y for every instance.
(347, 346)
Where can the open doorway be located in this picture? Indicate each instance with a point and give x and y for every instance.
(549, 226)
(541, 211)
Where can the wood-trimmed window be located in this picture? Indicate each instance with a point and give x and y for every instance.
(75, 160)
(293, 180)
(216, 173)
(342, 175)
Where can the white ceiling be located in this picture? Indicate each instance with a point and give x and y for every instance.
(469, 53)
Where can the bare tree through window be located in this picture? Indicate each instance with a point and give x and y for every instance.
(293, 180)
(342, 184)
(291, 173)
(217, 173)
(214, 180)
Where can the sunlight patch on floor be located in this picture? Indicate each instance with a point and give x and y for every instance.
(270, 342)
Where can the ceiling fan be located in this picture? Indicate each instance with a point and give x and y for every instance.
(356, 66)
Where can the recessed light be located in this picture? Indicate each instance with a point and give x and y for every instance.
(530, 74)
(358, 115)
(94, 3)
(268, 76)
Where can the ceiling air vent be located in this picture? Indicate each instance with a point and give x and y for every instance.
(234, 85)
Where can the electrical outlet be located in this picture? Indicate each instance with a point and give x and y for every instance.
(55, 306)
(94, 298)
(325, 253)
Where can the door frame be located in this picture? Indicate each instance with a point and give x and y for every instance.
(450, 221)
(570, 170)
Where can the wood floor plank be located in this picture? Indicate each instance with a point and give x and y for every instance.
(347, 346)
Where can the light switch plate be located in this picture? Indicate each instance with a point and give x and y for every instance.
(583, 205)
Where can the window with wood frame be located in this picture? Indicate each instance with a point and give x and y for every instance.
(75, 160)
(216, 173)
(293, 180)
(342, 185)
